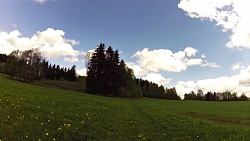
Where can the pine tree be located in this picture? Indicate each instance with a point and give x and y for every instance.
(95, 73)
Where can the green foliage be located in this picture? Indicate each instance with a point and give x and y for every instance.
(152, 90)
(30, 112)
(28, 66)
(243, 97)
(216, 96)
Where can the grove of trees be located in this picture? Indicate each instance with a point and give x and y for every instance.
(215, 96)
(108, 75)
(152, 90)
(28, 66)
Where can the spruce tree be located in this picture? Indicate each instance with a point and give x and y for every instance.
(95, 73)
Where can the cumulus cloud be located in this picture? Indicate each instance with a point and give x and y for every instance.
(82, 72)
(237, 66)
(165, 60)
(231, 15)
(150, 63)
(138, 71)
(50, 42)
(157, 78)
(190, 51)
(146, 74)
(238, 83)
(203, 56)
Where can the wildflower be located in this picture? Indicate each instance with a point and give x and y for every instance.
(46, 134)
(59, 128)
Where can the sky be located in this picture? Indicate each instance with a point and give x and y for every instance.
(186, 44)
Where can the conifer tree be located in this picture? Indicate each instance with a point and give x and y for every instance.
(95, 73)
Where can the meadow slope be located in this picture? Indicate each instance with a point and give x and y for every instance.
(31, 112)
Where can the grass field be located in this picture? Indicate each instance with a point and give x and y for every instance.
(31, 112)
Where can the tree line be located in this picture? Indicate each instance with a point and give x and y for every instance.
(215, 96)
(153, 90)
(28, 66)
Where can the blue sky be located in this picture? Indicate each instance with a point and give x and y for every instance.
(146, 32)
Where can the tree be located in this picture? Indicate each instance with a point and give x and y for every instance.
(25, 66)
(95, 71)
(200, 95)
(243, 97)
(71, 74)
(107, 75)
(190, 96)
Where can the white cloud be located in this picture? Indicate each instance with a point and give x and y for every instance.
(237, 66)
(194, 62)
(82, 72)
(150, 63)
(190, 51)
(231, 15)
(138, 71)
(50, 42)
(157, 78)
(40, 1)
(165, 60)
(89, 54)
(145, 74)
(203, 56)
(70, 59)
(209, 64)
(238, 83)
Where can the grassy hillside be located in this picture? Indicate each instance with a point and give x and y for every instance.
(31, 112)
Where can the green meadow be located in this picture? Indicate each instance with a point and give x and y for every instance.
(39, 113)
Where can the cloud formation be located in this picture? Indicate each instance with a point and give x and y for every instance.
(231, 15)
(166, 60)
(82, 72)
(238, 83)
(50, 42)
(237, 66)
(157, 78)
(150, 63)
